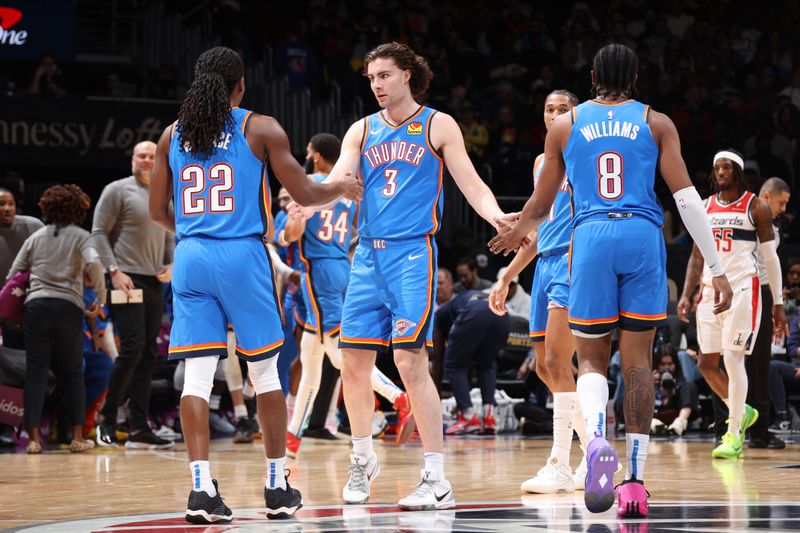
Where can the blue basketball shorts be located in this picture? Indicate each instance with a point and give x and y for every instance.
(324, 288)
(390, 295)
(550, 290)
(617, 275)
(216, 281)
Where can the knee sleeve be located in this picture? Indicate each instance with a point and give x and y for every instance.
(233, 372)
(199, 376)
(264, 375)
(333, 351)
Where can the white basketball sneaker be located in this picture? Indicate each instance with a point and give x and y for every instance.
(552, 478)
(579, 478)
(432, 493)
(362, 472)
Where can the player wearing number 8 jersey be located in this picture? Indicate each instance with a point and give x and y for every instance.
(610, 147)
(213, 160)
(399, 155)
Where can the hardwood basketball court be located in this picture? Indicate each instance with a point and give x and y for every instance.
(119, 490)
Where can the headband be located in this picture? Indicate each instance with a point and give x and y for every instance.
(729, 155)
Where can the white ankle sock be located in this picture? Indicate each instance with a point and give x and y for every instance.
(362, 446)
(240, 411)
(563, 413)
(434, 462)
(201, 477)
(593, 397)
(275, 478)
(636, 451)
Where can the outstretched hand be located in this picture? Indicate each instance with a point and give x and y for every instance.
(298, 212)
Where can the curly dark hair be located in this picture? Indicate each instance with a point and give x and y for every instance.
(205, 111)
(738, 174)
(405, 59)
(63, 205)
(615, 67)
(327, 145)
(573, 100)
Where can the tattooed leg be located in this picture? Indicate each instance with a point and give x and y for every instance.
(636, 351)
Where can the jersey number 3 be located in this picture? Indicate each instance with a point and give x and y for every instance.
(610, 184)
(193, 197)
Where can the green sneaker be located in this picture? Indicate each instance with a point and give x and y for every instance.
(748, 419)
(731, 447)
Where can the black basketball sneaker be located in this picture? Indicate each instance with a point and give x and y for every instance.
(203, 509)
(282, 503)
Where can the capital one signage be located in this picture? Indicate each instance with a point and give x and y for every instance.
(31, 29)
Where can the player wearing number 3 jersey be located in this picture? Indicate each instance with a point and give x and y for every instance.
(399, 154)
(610, 148)
(213, 161)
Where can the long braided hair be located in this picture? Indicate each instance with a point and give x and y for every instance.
(615, 67)
(205, 111)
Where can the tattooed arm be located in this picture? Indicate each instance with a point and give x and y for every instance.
(694, 270)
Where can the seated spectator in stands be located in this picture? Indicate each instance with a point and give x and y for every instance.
(468, 279)
(467, 334)
(791, 290)
(784, 379)
(295, 58)
(518, 302)
(677, 400)
(476, 135)
(57, 256)
(444, 288)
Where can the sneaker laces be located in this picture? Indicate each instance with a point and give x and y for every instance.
(425, 487)
(358, 476)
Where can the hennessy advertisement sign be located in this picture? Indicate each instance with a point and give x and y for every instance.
(77, 133)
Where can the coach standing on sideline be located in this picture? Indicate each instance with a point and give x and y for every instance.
(137, 255)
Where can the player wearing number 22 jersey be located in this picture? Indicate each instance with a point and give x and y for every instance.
(618, 258)
(393, 279)
(222, 269)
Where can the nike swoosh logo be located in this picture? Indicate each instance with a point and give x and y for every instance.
(412, 257)
(442, 497)
(374, 132)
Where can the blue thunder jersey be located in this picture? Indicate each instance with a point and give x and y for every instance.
(402, 178)
(611, 159)
(213, 197)
(555, 232)
(328, 232)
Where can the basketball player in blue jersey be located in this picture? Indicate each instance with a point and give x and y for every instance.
(212, 162)
(549, 330)
(323, 244)
(610, 147)
(399, 154)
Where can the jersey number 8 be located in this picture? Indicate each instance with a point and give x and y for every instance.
(610, 184)
(193, 197)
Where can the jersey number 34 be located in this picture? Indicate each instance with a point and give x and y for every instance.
(610, 184)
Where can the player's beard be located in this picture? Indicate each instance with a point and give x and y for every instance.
(308, 166)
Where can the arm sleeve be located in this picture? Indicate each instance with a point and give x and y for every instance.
(105, 216)
(773, 267)
(694, 218)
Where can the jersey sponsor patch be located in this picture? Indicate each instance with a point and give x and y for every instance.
(402, 326)
(415, 128)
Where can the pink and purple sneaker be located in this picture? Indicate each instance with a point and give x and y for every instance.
(632, 499)
(601, 463)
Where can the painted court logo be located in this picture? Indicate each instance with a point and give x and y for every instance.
(9, 17)
(415, 128)
(402, 326)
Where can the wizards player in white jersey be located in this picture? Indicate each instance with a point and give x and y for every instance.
(610, 147)
(549, 329)
(399, 154)
(742, 226)
(323, 242)
(212, 161)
